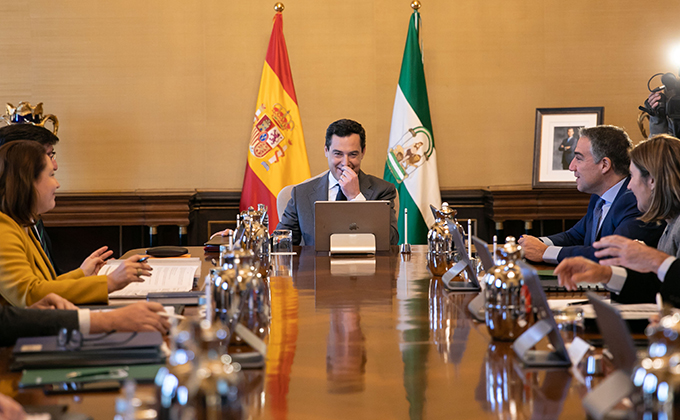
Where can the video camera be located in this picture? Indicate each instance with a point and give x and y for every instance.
(669, 106)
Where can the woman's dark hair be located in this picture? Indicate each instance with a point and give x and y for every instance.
(21, 163)
(659, 158)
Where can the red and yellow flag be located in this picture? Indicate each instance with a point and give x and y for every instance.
(277, 155)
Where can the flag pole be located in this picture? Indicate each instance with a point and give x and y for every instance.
(278, 7)
(415, 5)
(405, 247)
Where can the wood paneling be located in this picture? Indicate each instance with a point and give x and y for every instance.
(147, 208)
(535, 205)
(205, 212)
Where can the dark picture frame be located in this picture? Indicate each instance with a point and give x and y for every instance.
(554, 143)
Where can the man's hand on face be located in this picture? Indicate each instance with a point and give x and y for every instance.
(533, 247)
(349, 183)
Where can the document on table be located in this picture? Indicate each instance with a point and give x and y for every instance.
(628, 311)
(168, 275)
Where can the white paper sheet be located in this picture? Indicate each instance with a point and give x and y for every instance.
(168, 275)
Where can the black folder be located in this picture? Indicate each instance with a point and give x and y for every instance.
(96, 350)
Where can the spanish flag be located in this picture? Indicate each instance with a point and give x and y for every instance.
(277, 154)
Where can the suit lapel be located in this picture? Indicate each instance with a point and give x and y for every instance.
(365, 186)
(40, 258)
(320, 191)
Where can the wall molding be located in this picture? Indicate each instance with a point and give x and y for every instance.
(204, 211)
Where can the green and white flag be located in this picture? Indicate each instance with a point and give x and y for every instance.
(411, 158)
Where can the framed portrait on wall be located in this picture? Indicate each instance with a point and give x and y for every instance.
(556, 136)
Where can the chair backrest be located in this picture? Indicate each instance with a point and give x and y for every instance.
(285, 193)
(282, 199)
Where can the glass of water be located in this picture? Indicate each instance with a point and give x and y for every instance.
(282, 241)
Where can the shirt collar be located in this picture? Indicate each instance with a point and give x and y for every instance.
(332, 182)
(611, 193)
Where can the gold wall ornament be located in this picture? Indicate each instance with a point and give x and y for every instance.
(415, 5)
(24, 113)
(278, 7)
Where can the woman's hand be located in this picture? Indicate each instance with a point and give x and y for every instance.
(572, 271)
(225, 232)
(10, 409)
(95, 261)
(140, 316)
(130, 271)
(624, 252)
(53, 301)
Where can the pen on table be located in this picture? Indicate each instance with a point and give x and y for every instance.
(580, 302)
(659, 302)
(143, 259)
(172, 316)
(120, 371)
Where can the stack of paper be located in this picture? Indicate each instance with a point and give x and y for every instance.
(168, 275)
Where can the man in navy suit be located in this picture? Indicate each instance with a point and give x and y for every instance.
(567, 148)
(601, 166)
(344, 149)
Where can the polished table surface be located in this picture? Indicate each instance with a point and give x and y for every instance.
(375, 338)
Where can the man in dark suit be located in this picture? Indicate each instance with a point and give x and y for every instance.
(601, 166)
(345, 147)
(52, 313)
(567, 148)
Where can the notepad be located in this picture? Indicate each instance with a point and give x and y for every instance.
(168, 275)
(632, 311)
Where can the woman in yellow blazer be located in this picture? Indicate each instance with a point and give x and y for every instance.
(27, 189)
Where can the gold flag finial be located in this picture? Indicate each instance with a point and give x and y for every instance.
(415, 5)
(278, 7)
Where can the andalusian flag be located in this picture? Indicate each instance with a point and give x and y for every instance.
(277, 154)
(411, 158)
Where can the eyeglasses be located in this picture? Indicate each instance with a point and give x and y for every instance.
(52, 154)
(74, 340)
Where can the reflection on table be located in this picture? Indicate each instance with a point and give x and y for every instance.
(375, 338)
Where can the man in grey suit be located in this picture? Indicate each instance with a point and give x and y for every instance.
(345, 147)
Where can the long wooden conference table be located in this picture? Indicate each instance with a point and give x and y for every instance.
(372, 338)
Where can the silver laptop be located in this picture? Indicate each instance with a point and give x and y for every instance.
(351, 218)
